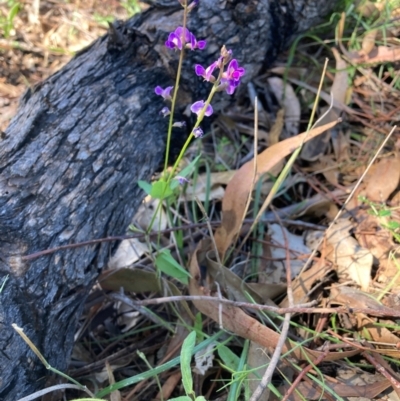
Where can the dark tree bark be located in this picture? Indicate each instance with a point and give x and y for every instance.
(79, 143)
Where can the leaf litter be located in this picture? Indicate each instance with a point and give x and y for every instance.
(348, 354)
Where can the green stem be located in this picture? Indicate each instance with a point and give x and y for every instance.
(176, 88)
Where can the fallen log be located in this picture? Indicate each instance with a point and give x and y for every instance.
(71, 158)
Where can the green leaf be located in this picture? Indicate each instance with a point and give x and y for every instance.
(200, 398)
(168, 265)
(146, 186)
(186, 172)
(392, 225)
(182, 398)
(186, 357)
(230, 359)
(160, 190)
(13, 12)
(385, 213)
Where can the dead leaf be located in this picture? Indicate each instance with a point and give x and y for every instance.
(368, 42)
(379, 189)
(238, 189)
(237, 321)
(287, 98)
(349, 258)
(215, 181)
(297, 249)
(378, 55)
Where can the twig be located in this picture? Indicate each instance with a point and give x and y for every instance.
(300, 308)
(381, 370)
(301, 375)
(266, 379)
(166, 231)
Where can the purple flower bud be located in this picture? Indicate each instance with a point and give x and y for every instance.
(179, 124)
(198, 106)
(198, 132)
(165, 93)
(181, 180)
(165, 111)
(193, 4)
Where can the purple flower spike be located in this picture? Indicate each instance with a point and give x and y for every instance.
(206, 73)
(198, 132)
(165, 93)
(198, 106)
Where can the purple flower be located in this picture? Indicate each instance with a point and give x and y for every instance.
(198, 132)
(198, 106)
(234, 71)
(177, 38)
(165, 93)
(231, 77)
(183, 37)
(206, 73)
(165, 111)
(181, 180)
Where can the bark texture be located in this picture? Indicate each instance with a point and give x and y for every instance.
(81, 140)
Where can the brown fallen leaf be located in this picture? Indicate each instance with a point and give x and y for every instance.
(313, 392)
(237, 321)
(238, 189)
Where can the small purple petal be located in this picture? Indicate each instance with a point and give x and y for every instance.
(199, 70)
(206, 73)
(174, 41)
(198, 106)
(201, 44)
(181, 180)
(198, 132)
(165, 111)
(165, 93)
(209, 111)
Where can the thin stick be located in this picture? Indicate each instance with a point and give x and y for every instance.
(54, 388)
(300, 308)
(267, 377)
